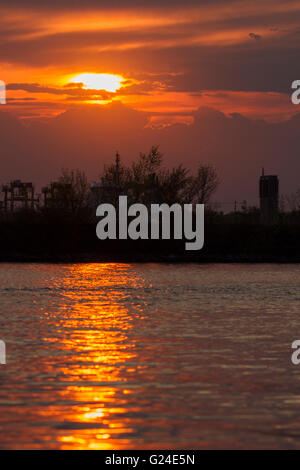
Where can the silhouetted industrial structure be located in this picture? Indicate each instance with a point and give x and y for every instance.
(268, 194)
(117, 181)
(56, 194)
(19, 194)
(107, 192)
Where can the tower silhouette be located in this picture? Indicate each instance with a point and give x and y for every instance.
(268, 194)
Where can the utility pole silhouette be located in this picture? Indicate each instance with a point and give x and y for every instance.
(117, 182)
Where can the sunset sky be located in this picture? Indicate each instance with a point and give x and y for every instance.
(166, 61)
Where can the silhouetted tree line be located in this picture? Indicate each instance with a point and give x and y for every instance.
(145, 181)
(148, 181)
(64, 229)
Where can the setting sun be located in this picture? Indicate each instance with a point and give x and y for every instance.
(99, 81)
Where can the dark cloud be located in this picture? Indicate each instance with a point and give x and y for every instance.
(77, 92)
(233, 68)
(73, 90)
(87, 138)
(20, 99)
(112, 4)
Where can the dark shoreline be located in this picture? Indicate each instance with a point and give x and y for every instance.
(29, 239)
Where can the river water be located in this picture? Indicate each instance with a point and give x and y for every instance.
(145, 356)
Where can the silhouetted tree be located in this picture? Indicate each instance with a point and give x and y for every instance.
(72, 190)
(148, 181)
(202, 186)
(293, 201)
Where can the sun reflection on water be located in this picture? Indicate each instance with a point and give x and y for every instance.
(93, 355)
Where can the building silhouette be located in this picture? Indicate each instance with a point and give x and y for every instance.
(268, 194)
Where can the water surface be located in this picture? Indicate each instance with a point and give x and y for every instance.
(123, 356)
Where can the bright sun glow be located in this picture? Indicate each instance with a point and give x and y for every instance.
(99, 81)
